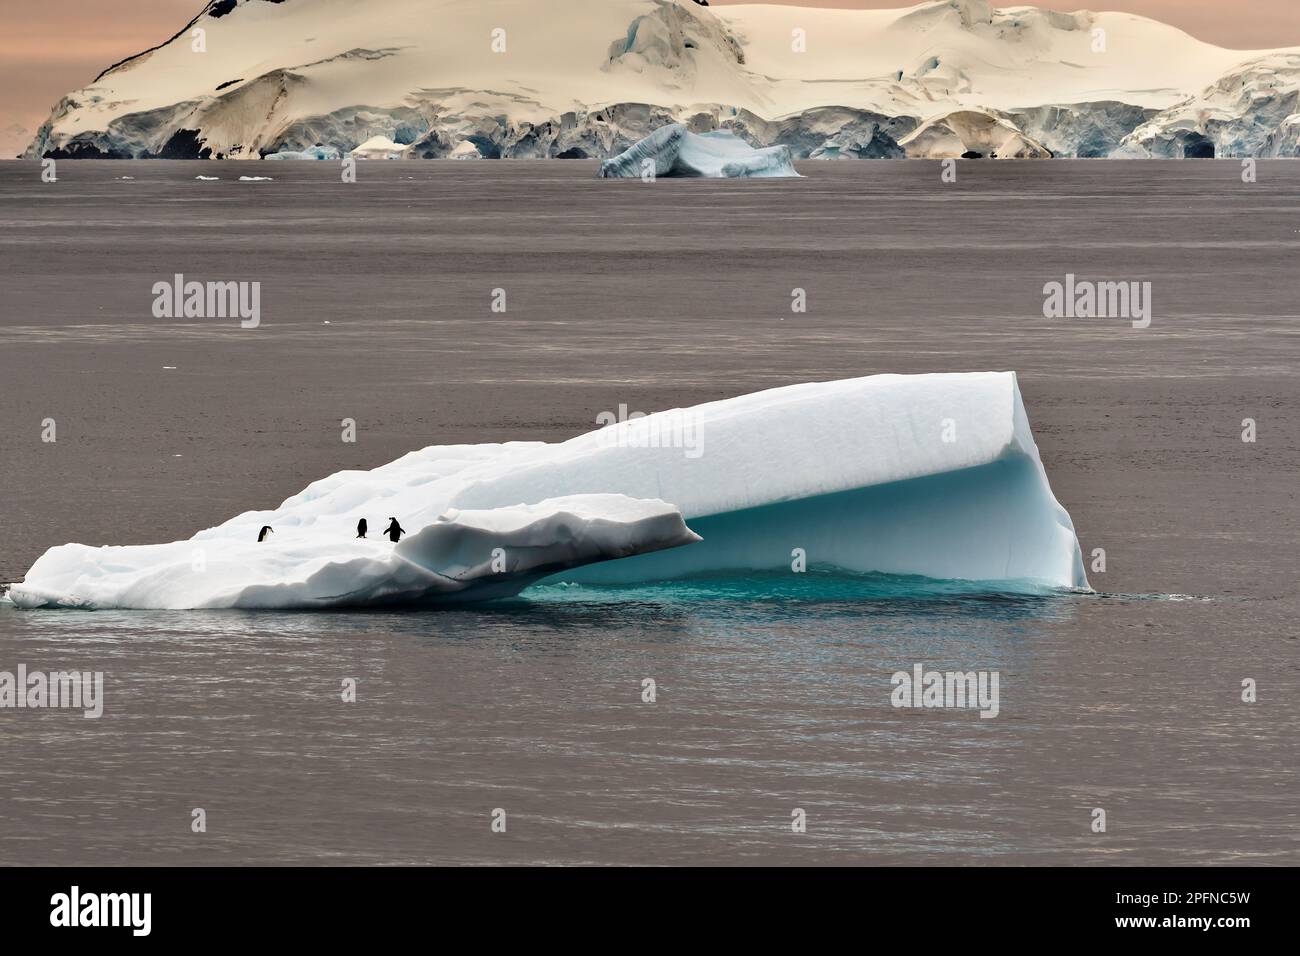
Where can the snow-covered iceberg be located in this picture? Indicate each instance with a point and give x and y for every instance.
(380, 147)
(934, 475)
(674, 150)
(461, 555)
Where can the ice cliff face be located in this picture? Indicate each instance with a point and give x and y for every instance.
(971, 134)
(934, 475)
(1252, 110)
(575, 78)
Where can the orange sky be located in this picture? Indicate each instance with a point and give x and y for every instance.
(51, 47)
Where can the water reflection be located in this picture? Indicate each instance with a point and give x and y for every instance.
(815, 600)
(770, 690)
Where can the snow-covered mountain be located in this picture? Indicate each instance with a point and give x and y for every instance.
(588, 78)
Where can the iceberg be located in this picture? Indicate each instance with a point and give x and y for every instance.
(935, 475)
(317, 152)
(380, 147)
(674, 150)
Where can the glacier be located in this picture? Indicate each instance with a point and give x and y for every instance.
(575, 79)
(674, 150)
(935, 475)
(1253, 110)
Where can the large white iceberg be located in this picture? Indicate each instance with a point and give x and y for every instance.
(674, 150)
(935, 475)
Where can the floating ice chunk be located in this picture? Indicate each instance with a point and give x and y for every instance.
(675, 151)
(380, 147)
(461, 555)
(310, 153)
(934, 475)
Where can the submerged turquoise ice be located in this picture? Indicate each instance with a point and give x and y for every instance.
(919, 476)
(786, 588)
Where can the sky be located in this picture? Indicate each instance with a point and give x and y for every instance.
(50, 47)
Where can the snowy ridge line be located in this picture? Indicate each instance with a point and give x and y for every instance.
(575, 79)
(935, 475)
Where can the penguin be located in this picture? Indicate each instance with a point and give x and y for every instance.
(394, 530)
(261, 535)
(361, 528)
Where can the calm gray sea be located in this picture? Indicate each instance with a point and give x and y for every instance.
(772, 694)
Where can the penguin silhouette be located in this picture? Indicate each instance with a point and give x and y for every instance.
(394, 530)
(361, 528)
(266, 529)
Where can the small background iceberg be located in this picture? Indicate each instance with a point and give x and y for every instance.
(310, 153)
(381, 147)
(675, 151)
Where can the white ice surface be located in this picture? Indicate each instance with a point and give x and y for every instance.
(953, 135)
(305, 562)
(379, 147)
(934, 475)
